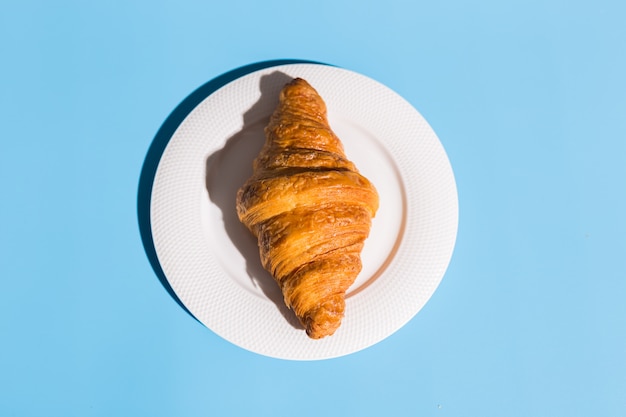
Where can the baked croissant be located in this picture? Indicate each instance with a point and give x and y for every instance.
(310, 209)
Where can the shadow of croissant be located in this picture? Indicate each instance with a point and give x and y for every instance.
(226, 171)
(224, 179)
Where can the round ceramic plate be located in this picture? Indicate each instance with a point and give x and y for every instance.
(211, 260)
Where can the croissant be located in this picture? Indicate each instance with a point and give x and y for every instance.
(310, 209)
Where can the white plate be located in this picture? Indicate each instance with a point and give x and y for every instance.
(211, 261)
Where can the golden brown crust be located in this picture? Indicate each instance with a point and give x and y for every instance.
(310, 209)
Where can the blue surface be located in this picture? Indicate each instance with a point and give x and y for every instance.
(529, 101)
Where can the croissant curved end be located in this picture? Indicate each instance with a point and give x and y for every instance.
(326, 319)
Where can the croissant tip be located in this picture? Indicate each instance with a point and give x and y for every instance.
(298, 81)
(315, 331)
(325, 320)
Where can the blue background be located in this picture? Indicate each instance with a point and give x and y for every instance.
(529, 101)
